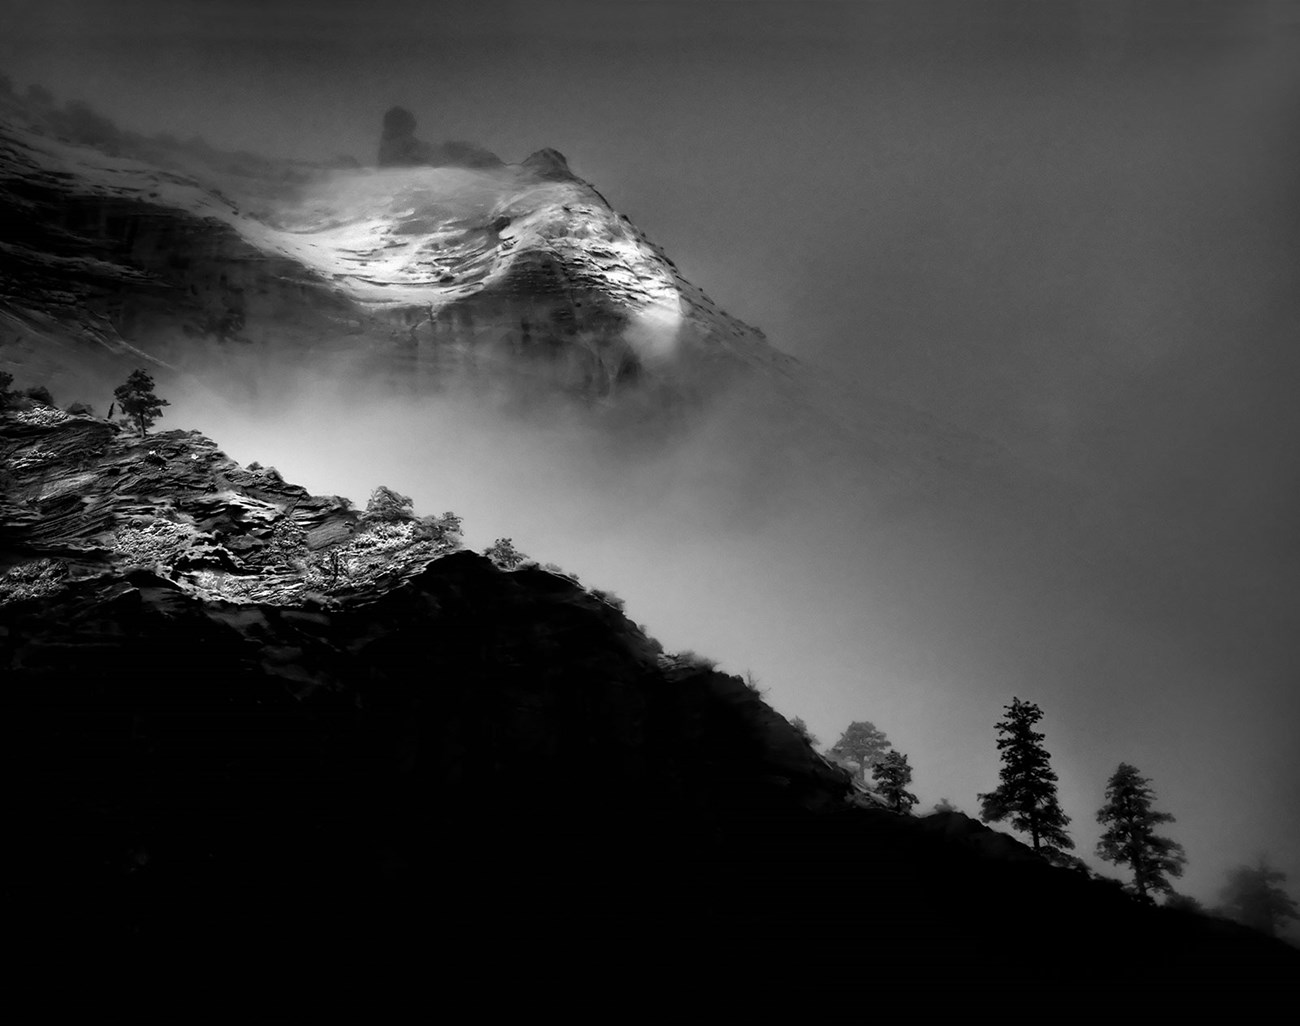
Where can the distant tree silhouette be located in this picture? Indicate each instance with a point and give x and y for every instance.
(689, 657)
(1130, 838)
(1027, 792)
(40, 393)
(944, 805)
(862, 742)
(802, 730)
(892, 775)
(1251, 897)
(137, 399)
(6, 379)
(503, 553)
(445, 529)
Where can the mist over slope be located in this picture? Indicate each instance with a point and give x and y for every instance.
(496, 339)
(231, 747)
(861, 556)
(452, 289)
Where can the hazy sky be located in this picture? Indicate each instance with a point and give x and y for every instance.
(1070, 229)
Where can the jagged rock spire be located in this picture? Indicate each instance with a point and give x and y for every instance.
(399, 146)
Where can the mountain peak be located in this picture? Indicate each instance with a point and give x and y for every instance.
(549, 163)
(440, 263)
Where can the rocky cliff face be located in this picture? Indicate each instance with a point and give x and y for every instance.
(227, 740)
(514, 285)
(433, 267)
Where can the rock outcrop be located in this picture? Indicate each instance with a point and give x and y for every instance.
(399, 147)
(96, 499)
(550, 164)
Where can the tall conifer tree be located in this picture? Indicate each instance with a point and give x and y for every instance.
(1130, 838)
(1027, 792)
(892, 775)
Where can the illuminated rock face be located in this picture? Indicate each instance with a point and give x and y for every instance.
(519, 276)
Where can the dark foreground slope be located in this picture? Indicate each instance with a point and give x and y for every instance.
(479, 770)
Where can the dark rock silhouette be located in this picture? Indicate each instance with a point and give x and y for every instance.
(449, 762)
(399, 147)
(399, 123)
(550, 164)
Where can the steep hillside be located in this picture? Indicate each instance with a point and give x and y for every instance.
(223, 746)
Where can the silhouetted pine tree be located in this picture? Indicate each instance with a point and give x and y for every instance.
(503, 553)
(137, 400)
(862, 742)
(1027, 793)
(1130, 837)
(892, 775)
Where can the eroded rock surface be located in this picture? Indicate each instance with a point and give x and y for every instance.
(440, 265)
(99, 499)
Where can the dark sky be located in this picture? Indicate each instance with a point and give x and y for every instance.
(1071, 229)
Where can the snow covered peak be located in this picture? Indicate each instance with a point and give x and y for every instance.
(168, 249)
